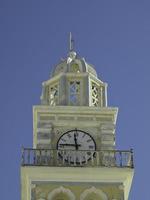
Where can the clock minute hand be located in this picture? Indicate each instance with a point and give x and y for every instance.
(75, 140)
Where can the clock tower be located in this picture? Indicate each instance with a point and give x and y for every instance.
(74, 155)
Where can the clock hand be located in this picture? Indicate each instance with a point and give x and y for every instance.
(69, 144)
(75, 140)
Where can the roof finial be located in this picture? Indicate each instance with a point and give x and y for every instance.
(71, 42)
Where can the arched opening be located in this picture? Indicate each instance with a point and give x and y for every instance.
(61, 193)
(93, 194)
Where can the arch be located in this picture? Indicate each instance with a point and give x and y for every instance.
(56, 191)
(40, 199)
(94, 190)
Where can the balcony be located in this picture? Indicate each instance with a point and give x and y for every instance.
(72, 158)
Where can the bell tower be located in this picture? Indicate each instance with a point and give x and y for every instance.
(74, 155)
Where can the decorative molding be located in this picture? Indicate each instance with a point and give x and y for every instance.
(121, 187)
(99, 192)
(33, 186)
(32, 190)
(68, 192)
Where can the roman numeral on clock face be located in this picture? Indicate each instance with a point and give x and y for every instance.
(62, 139)
(83, 135)
(91, 147)
(69, 136)
(89, 140)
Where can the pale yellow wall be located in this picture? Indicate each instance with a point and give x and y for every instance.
(115, 181)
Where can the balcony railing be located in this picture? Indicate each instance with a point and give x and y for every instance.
(67, 158)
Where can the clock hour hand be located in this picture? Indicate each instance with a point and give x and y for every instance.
(69, 144)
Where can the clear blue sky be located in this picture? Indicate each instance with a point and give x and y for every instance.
(113, 35)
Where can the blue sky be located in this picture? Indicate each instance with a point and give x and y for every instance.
(113, 35)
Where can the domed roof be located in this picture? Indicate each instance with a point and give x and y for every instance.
(73, 64)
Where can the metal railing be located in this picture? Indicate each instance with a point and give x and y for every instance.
(51, 157)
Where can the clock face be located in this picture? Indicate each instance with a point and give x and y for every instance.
(76, 146)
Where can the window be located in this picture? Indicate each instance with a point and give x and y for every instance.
(53, 95)
(95, 96)
(74, 67)
(74, 92)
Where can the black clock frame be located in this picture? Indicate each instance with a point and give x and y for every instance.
(78, 163)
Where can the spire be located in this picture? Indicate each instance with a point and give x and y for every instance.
(71, 42)
(72, 54)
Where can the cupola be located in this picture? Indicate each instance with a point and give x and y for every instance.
(74, 82)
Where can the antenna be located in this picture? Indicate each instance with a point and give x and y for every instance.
(71, 42)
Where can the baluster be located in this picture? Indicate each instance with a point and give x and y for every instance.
(40, 155)
(52, 153)
(115, 159)
(69, 160)
(80, 153)
(123, 154)
(43, 156)
(86, 157)
(46, 157)
(37, 157)
(92, 158)
(112, 158)
(109, 158)
(120, 155)
(34, 156)
(106, 158)
(132, 161)
(74, 159)
(51, 156)
(57, 153)
(23, 156)
(97, 158)
(63, 154)
(102, 154)
(126, 159)
(28, 157)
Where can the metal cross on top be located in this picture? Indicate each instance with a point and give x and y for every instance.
(71, 42)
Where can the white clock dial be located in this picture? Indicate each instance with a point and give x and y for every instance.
(76, 146)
